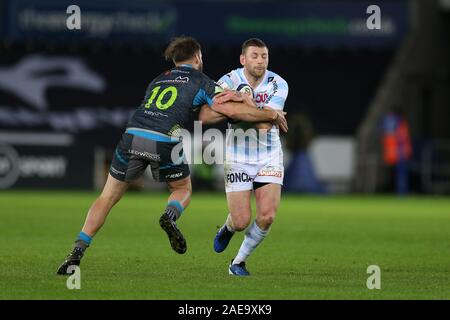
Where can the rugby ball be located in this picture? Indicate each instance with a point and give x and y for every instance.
(245, 88)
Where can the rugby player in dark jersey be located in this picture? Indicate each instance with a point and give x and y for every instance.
(152, 133)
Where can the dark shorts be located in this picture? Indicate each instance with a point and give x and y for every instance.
(134, 153)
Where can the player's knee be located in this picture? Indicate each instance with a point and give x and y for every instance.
(241, 223)
(268, 220)
(186, 189)
(265, 220)
(184, 185)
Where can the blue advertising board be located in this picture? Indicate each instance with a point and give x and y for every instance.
(308, 23)
(134, 21)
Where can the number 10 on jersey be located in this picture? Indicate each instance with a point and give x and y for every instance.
(171, 93)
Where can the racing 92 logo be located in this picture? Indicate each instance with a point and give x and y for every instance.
(261, 97)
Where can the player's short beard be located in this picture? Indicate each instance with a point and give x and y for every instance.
(256, 73)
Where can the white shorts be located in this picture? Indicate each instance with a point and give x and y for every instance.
(240, 176)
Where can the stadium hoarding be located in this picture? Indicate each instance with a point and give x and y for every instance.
(113, 21)
(46, 166)
(309, 23)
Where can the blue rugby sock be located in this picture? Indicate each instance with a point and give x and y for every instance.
(174, 210)
(83, 240)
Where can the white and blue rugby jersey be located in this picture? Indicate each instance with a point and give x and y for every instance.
(271, 92)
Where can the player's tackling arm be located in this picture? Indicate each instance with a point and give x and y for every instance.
(235, 110)
(208, 116)
(230, 95)
(248, 113)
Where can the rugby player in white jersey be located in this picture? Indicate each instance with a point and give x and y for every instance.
(256, 164)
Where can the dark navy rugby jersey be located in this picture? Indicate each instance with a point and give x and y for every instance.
(171, 99)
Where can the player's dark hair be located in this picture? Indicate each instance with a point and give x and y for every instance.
(253, 42)
(181, 49)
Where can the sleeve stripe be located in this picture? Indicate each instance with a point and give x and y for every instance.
(201, 98)
(227, 81)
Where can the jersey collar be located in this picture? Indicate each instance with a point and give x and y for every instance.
(264, 78)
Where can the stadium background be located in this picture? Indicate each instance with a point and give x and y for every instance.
(65, 96)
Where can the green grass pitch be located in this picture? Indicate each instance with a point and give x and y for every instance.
(318, 248)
